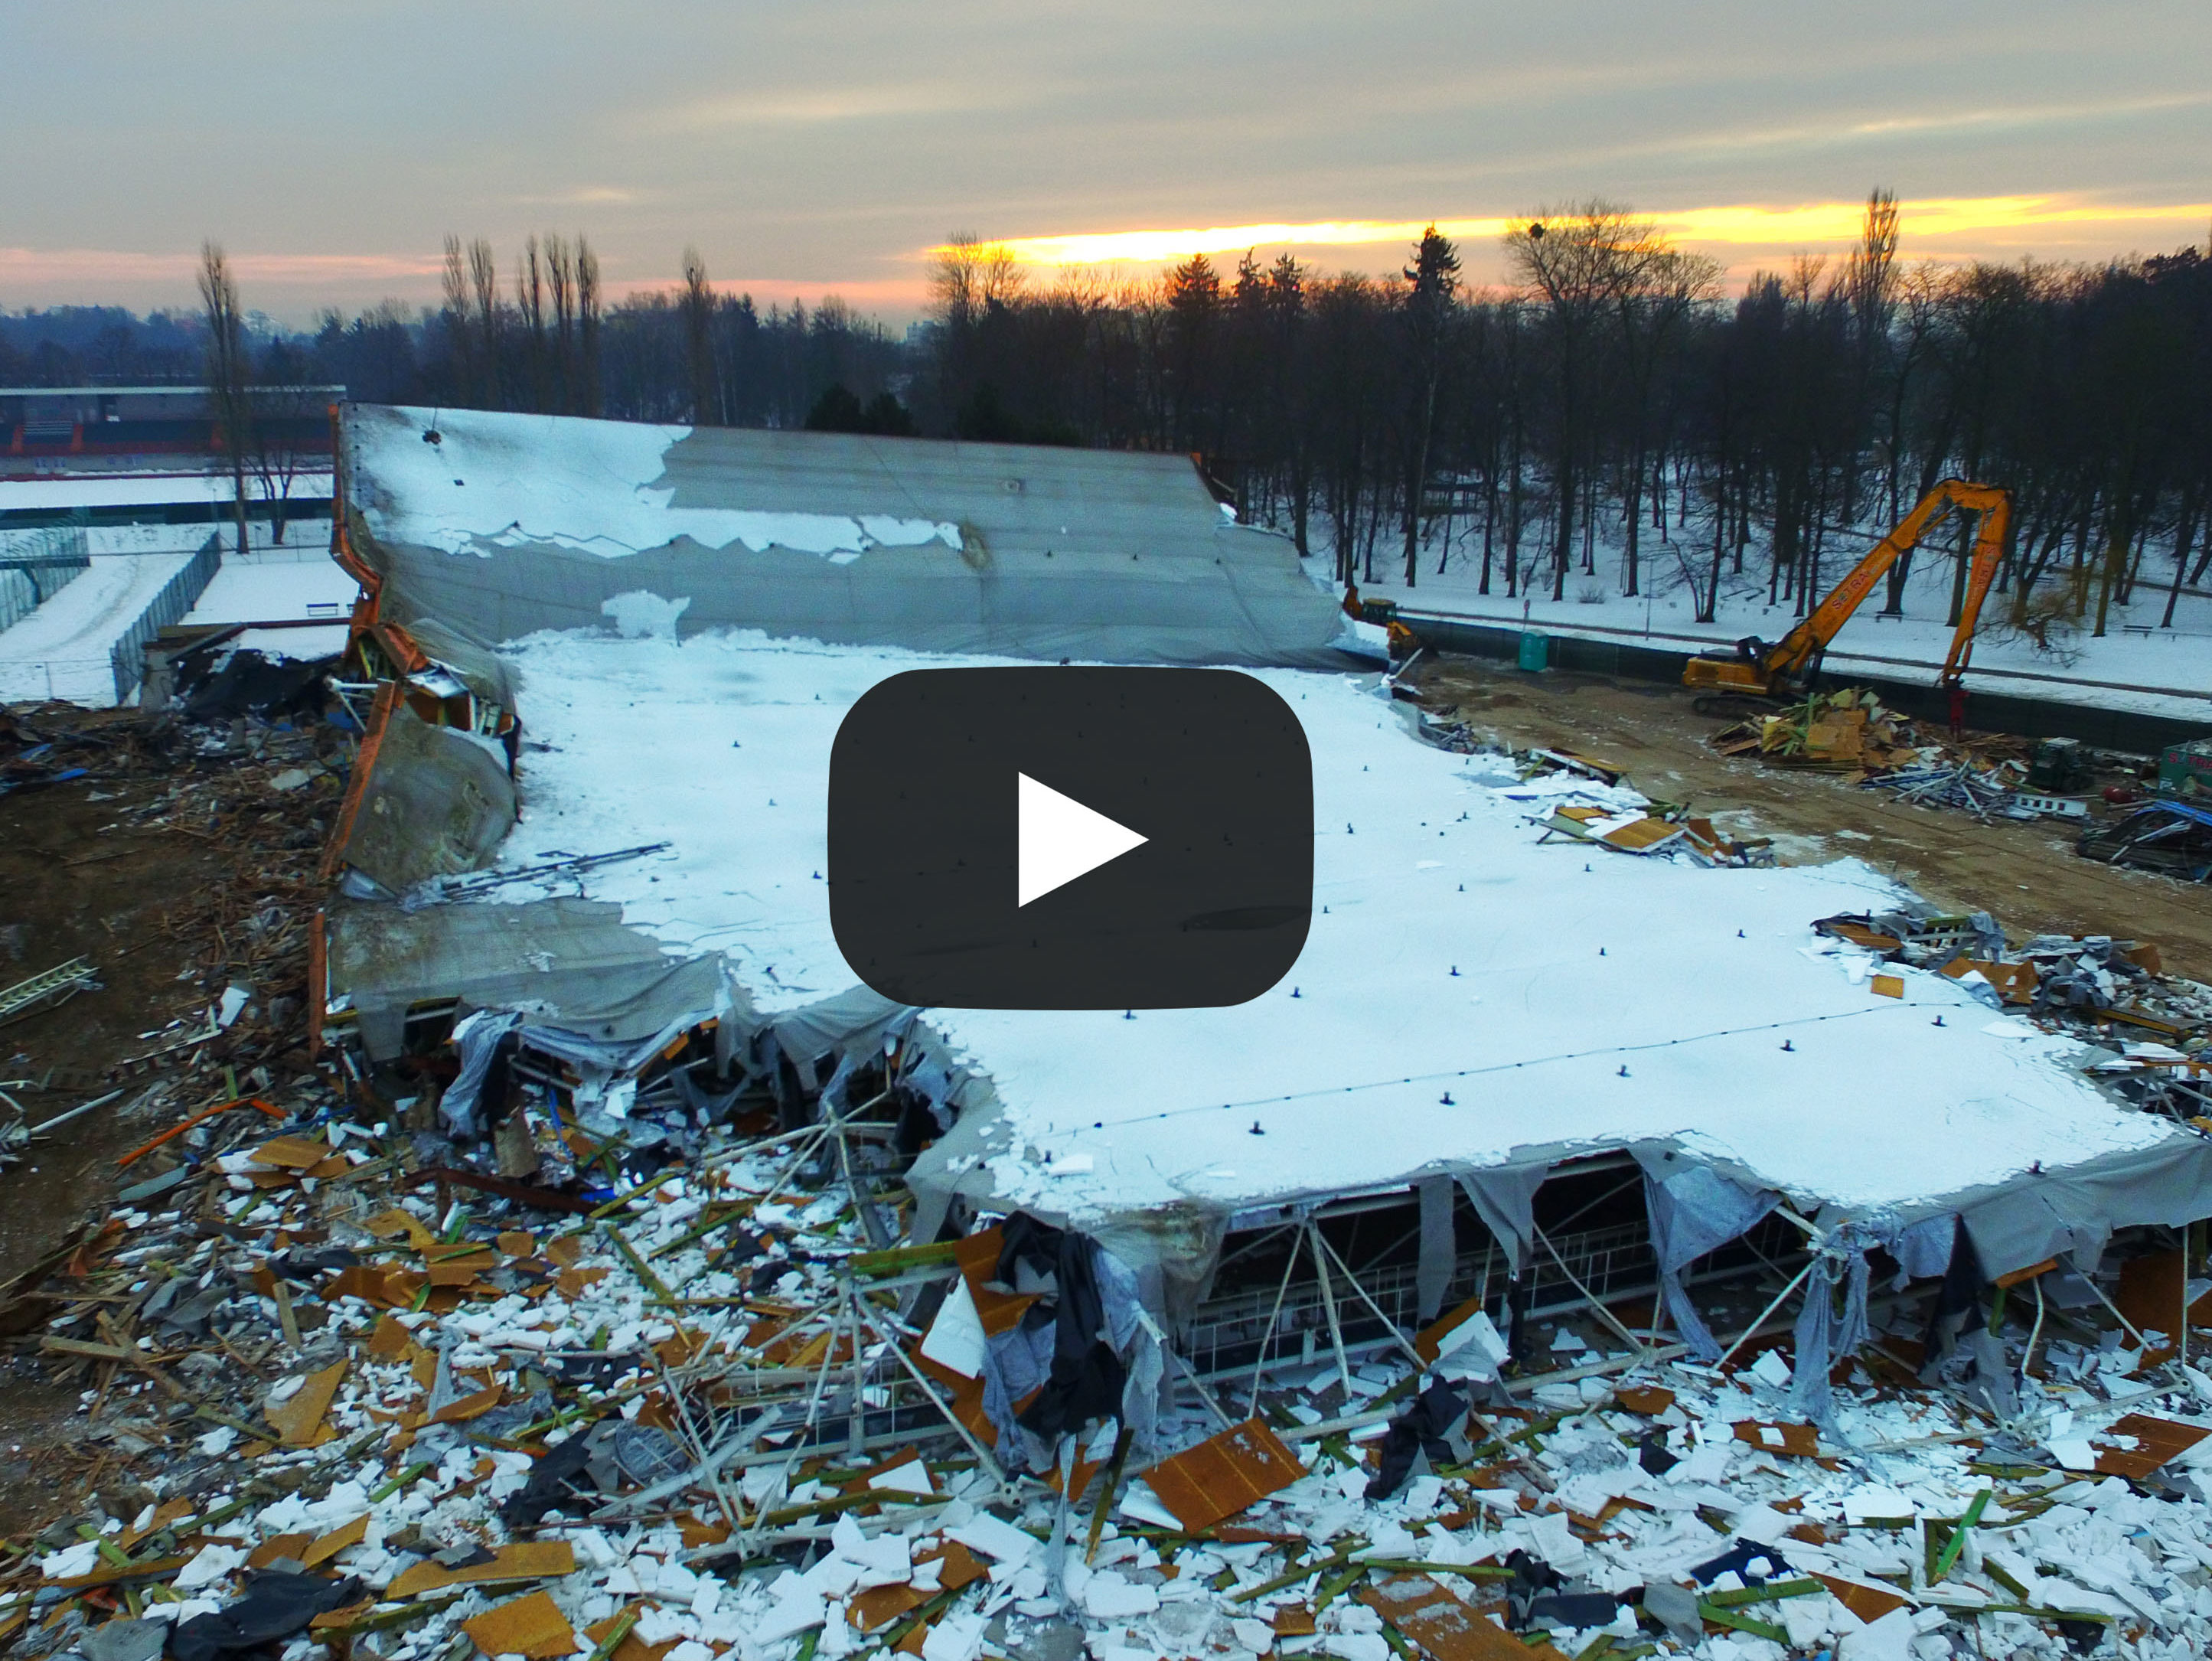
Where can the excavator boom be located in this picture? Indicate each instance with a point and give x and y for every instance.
(1789, 664)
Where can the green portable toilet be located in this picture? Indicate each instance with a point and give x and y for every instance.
(2186, 769)
(1535, 652)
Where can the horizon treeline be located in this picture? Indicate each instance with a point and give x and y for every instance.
(1606, 416)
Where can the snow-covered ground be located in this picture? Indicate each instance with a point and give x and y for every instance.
(141, 490)
(277, 586)
(1463, 991)
(2137, 665)
(61, 650)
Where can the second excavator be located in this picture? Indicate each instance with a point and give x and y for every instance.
(1785, 669)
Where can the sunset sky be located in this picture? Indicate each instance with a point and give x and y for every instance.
(824, 148)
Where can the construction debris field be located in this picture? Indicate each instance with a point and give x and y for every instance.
(2025, 872)
(462, 1205)
(149, 863)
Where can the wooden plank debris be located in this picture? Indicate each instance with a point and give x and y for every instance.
(1223, 1474)
(533, 1559)
(531, 1625)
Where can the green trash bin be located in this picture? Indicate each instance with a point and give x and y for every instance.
(1535, 652)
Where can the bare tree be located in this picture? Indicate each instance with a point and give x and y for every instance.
(698, 339)
(1660, 287)
(1869, 283)
(483, 280)
(456, 290)
(969, 274)
(587, 328)
(1576, 260)
(530, 302)
(226, 372)
(283, 405)
(561, 277)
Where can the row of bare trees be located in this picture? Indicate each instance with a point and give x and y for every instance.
(1608, 418)
(1610, 407)
(538, 350)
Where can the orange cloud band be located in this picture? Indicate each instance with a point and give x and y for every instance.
(1747, 225)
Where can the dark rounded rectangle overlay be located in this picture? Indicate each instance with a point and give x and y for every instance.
(1210, 765)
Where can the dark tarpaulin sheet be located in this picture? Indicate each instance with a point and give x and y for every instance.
(2034, 1215)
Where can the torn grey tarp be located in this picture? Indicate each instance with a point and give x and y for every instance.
(2038, 1214)
(1504, 1197)
(565, 963)
(840, 1028)
(1439, 1248)
(1923, 1250)
(1694, 1210)
(1824, 1335)
(437, 802)
(476, 1040)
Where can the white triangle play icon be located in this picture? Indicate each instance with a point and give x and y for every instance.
(1058, 839)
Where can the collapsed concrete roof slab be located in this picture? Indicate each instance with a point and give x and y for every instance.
(504, 524)
(426, 801)
(1467, 998)
(567, 962)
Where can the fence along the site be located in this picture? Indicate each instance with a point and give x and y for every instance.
(177, 596)
(37, 564)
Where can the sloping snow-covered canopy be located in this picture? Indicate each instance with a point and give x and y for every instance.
(508, 523)
(1469, 1003)
(1468, 999)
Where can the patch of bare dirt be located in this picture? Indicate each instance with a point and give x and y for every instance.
(2025, 873)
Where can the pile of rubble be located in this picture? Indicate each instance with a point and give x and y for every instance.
(652, 1369)
(1588, 799)
(2148, 1033)
(1850, 732)
(258, 795)
(42, 745)
(2173, 838)
(337, 1398)
(1847, 731)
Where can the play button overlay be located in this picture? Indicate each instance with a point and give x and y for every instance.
(1071, 839)
(1057, 839)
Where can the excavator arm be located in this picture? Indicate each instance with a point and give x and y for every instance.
(1789, 661)
(1989, 549)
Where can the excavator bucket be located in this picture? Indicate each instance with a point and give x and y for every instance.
(1724, 675)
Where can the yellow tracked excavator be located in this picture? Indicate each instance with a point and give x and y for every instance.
(1785, 669)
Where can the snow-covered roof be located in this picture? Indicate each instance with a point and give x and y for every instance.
(1466, 997)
